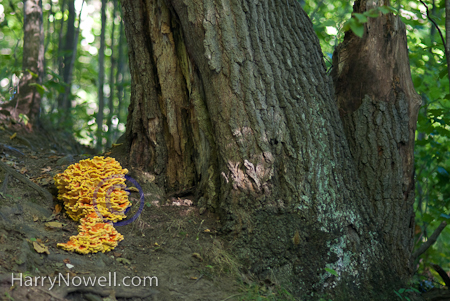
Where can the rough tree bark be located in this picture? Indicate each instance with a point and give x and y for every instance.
(28, 99)
(378, 106)
(230, 99)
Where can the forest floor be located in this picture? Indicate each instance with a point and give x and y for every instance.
(170, 240)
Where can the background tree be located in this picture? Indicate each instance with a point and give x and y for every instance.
(110, 117)
(28, 99)
(101, 78)
(231, 101)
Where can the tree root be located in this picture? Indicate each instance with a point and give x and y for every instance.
(42, 192)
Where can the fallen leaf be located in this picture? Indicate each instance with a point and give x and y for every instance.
(116, 144)
(58, 209)
(108, 153)
(134, 189)
(47, 169)
(50, 218)
(45, 181)
(40, 248)
(11, 163)
(23, 170)
(33, 157)
(207, 230)
(35, 218)
(156, 244)
(123, 260)
(196, 255)
(53, 157)
(54, 225)
(193, 278)
(13, 136)
(67, 260)
(69, 265)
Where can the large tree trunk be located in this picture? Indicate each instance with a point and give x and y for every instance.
(378, 106)
(230, 99)
(28, 100)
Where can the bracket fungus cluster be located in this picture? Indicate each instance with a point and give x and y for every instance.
(91, 186)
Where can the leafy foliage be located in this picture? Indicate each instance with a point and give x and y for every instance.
(83, 92)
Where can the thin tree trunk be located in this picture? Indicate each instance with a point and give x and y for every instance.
(48, 38)
(69, 71)
(49, 33)
(59, 56)
(120, 71)
(68, 53)
(101, 77)
(447, 35)
(111, 80)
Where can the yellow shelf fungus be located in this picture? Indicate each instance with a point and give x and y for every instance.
(104, 178)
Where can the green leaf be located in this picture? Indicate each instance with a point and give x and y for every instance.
(361, 17)
(331, 271)
(373, 13)
(443, 73)
(356, 27)
(398, 294)
(442, 171)
(39, 88)
(436, 112)
(443, 132)
(34, 75)
(417, 81)
(427, 218)
(384, 9)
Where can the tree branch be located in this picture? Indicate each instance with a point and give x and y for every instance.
(430, 241)
(447, 30)
(435, 25)
(442, 273)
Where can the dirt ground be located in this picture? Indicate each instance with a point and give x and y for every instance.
(170, 240)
